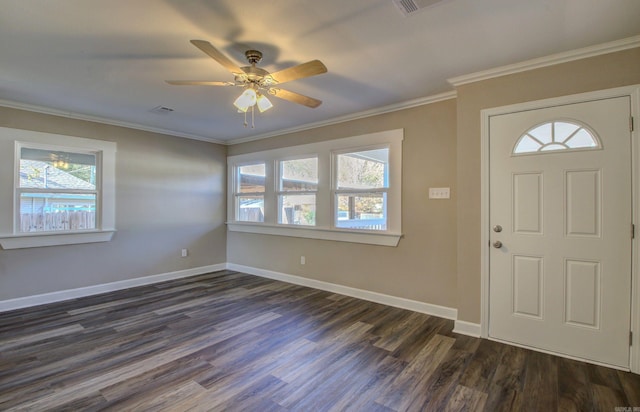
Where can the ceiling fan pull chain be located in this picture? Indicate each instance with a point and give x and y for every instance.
(245, 119)
(253, 126)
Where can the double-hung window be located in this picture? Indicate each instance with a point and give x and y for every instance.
(62, 191)
(297, 188)
(361, 188)
(249, 193)
(347, 189)
(57, 190)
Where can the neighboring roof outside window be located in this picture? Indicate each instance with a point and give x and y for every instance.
(34, 174)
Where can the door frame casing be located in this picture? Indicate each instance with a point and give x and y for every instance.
(485, 115)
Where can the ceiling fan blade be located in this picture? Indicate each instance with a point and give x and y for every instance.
(296, 98)
(198, 83)
(300, 71)
(216, 55)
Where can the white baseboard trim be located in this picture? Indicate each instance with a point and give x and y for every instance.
(402, 303)
(467, 328)
(35, 300)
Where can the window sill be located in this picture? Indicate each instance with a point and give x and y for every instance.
(23, 241)
(338, 235)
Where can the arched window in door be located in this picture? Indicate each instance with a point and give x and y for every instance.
(557, 135)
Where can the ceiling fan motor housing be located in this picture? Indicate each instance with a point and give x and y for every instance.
(252, 74)
(253, 56)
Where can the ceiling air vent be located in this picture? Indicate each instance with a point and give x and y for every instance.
(409, 7)
(161, 110)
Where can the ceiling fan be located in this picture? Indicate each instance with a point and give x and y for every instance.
(257, 82)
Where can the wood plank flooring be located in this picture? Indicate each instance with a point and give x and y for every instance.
(228, 341)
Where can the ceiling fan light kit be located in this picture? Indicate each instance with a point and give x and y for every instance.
(247, 99)
(256, 81)
(263, 103)
(250, 99)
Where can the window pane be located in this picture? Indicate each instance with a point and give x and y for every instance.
(362, 211)
(542, 133)
(250, 208)
(298, 210)
(363, 170)
(46, 169)
(527, 145)
(251, 178)
(299, 174)
(48, 212)
(563, 130)
(582, 139)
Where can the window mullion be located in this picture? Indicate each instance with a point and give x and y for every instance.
(63, 191)
(270, 198)
(362, 191)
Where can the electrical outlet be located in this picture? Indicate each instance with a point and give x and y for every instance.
(439, 193)
(185, 252)
(303, 260)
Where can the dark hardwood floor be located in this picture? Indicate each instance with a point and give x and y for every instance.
(234, 342)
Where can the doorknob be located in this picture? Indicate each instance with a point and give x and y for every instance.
(497, 244)
(497, 228)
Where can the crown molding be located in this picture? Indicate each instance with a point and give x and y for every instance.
(553, 59)
(79, 116)
(341, 119)
(354, 116)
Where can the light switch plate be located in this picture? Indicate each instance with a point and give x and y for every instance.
(439, 193)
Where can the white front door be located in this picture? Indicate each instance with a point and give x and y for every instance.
(560, 221)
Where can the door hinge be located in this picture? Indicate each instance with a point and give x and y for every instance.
(631, 123)
(633, 231)
(630, 338)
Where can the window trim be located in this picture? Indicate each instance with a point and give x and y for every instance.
(325, 209)
(10, 237)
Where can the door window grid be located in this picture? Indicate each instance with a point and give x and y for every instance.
(556, 136)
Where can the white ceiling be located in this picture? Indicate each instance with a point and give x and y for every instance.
(110, 59)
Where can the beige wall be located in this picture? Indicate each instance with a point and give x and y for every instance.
(423, 266)
(597, 73)
(170, 194)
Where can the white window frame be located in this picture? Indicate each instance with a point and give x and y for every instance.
(22, 190)
(325, 208)
(236, 188)
(11, 142)
(336, 191)
(280, 192)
